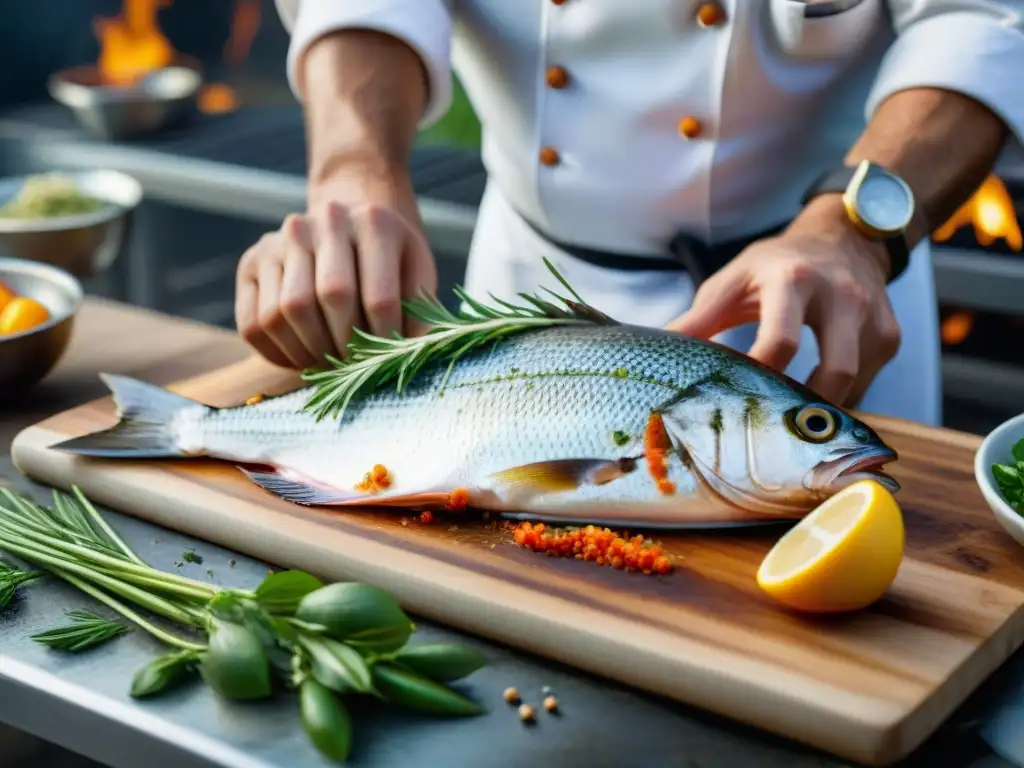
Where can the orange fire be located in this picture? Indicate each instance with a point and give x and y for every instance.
(132, 46)
(957, 327)
(990, 210)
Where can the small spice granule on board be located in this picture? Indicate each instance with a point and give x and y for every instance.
(376, 480)
(458, 500)
(596, 545)
(526, 713)
(550, 703)
(426, 517)
(511, 695)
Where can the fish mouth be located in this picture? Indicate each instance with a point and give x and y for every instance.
(861, 464)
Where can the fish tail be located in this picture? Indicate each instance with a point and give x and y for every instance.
(147, 416)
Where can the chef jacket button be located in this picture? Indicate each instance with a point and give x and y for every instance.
(689, 127)
(557, 78)
(549, 156)
(710, 15)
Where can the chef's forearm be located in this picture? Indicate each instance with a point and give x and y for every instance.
(364, 93)
(943, 144)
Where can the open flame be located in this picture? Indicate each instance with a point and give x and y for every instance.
(991, 212)
(132, 45)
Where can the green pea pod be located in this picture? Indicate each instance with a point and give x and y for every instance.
(336, 665)
(359, 614)
(325, 719)
(442, 662)
(235, 664)
(405, 687)
(163, 673)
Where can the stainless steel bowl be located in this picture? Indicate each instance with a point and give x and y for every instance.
(83, 244)
(162, 99)
(27, 357)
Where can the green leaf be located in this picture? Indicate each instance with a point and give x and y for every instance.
(374, 360)
(361, 615)
(1018, 450)
(442, 662)
(404, 687)
(86, 631)
(1006, 475)
(325, 719)
(164, 673)
(277, 644)
(235, 664)
(11, 579)
(281, 592)
(336, 665)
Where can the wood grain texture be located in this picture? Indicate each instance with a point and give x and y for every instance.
(869, 686)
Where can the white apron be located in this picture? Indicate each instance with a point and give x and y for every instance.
(505, 259)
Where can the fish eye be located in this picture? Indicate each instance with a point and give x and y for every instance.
(815, 424)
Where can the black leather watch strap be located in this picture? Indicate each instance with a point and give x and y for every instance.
(836, 180)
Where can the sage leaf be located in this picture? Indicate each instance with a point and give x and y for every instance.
(163, 673)
(336, 665)
(235, 664)
(442, 662)
(277, 646)
(409, 689)
(281, 592)
(86, 630)
(325, 719)
(361, 615)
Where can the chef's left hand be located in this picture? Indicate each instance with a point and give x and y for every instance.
(820, 272)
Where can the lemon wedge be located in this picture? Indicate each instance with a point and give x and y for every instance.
(842, 557)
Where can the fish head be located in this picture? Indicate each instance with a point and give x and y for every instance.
(766, 446)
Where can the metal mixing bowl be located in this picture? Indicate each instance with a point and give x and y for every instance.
(27, 357)
(83, 244)
(164, 98)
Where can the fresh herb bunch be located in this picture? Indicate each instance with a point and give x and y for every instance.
(374, 360)
(1010, 477)
(329, 642)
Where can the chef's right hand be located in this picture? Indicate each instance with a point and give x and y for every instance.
(301, 289)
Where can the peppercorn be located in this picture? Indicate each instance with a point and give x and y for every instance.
(551, 704)
(526, 713)
(511, 695)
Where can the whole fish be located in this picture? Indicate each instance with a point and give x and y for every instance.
(589, 423)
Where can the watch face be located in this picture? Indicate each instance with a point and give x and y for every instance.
(884, 203)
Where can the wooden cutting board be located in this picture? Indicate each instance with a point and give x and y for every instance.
(869, 687)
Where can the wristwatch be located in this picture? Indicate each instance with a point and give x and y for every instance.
(879, 203)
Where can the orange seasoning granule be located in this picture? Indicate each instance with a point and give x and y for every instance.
(656, 448)
(375, 481)
(254, 400)
(458, 500)
(426, 517)
(594, 545)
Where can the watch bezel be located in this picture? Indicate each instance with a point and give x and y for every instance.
(851, 196)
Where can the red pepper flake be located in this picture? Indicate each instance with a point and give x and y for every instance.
(458, 500)
(426, 517)
(594, 545)
(376, 480)
(255, 399)
(656, 448)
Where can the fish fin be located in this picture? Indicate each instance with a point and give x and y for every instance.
(145, 412)
(561, 475)
(310, 494)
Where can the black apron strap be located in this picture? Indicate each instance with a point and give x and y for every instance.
(685, 253)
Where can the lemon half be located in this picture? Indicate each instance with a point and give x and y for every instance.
(842, 557)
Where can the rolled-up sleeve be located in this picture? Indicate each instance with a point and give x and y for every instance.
(423, 25)
(973, 47)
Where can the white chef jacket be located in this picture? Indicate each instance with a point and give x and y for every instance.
(615, 124)
(777, 97)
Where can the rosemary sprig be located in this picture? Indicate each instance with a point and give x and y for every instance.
(374, 360)
(85, 631)
(11, 579)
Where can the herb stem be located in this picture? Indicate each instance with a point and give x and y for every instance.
(110, 533)
(128, 613)
(150, 601)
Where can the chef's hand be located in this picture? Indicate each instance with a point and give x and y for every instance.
(822, 273)
(346, 263)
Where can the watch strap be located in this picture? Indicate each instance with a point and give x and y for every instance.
(836, 180)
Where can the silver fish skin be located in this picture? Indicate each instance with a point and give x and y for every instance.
(546, 425)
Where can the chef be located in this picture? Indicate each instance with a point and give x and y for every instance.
(762, 172)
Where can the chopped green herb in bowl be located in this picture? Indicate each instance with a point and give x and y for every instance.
(1010, 477)
(999, 473)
